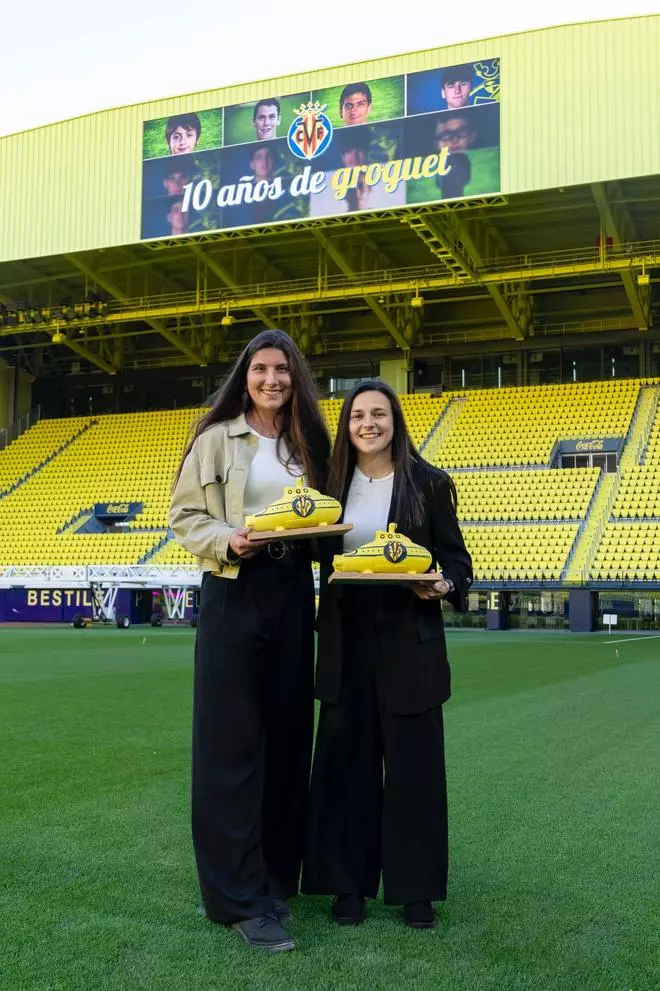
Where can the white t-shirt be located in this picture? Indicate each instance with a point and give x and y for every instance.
(267, 476)
(367, 507)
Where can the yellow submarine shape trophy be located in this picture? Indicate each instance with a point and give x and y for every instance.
(300, 506)
(388, 553)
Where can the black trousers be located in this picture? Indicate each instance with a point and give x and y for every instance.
(252, 734)
(361, 821)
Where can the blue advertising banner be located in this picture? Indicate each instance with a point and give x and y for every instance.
(60, 605)
(51, 605)
(365, 145)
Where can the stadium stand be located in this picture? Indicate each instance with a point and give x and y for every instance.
(422, 413)
(525, 496)
(628, 552)
(123, 458)
(546, 497)
(172, 554)
(524, 521)
(520, 553)
(520, 426)
(638, 494)
(37, 446)
(629, 547)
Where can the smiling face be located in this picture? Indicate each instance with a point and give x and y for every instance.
(183, 140)
(371, 424)
(266, 120)
(269, 383)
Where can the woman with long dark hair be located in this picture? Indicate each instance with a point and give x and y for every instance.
(253, 697)
(382, 677)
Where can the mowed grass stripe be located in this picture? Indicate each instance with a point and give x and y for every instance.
(551, 753)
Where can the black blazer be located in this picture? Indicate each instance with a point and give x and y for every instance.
(415, 675)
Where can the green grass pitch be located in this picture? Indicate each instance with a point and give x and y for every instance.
(552, 752)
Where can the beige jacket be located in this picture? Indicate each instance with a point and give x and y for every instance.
(207, 503)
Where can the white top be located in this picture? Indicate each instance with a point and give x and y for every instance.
(267, 476)
(367, 507)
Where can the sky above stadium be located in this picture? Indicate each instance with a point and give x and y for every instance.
(65, 59)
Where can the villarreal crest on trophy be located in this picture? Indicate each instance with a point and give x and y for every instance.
(387, 553)
(300, 506)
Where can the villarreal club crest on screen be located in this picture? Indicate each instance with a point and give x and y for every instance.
(310, 132)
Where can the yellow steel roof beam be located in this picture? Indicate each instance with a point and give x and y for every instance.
(153, 322)
(584, 262)
(343, 265)
(514, 309)
(225, 277)
(80, 349)
(502, 304)
(618, 224)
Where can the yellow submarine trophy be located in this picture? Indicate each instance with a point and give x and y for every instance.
(300, 506)
(389, 553)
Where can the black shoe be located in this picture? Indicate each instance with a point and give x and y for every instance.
(419, 915)
(348, 910)
(265, 932)
(281, 910)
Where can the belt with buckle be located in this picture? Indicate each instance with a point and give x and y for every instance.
(279, 550)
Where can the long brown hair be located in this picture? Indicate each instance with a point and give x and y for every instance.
(407, 496)
(303, 428)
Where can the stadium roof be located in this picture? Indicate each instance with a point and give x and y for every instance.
(542, 258)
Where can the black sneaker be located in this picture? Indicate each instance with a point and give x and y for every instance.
(265, 932)
(419, 915)
(281, 910)
(348, 910)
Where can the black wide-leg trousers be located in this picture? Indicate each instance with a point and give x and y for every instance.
(378, 797)
(252, 734)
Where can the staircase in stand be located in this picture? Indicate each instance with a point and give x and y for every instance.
(431, 446)
(160, 543)
(586, 543)
(591, 530)
(46, 461)
(649, 408)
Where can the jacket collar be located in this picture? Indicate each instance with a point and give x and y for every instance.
(238, 426)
